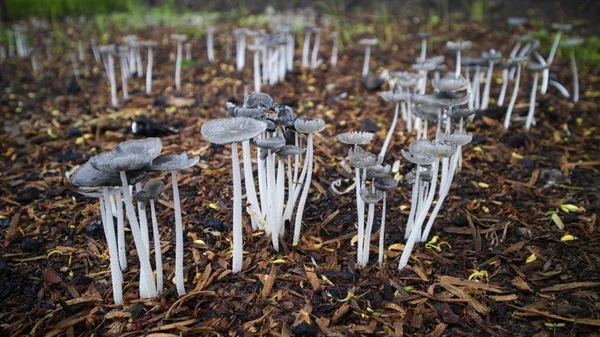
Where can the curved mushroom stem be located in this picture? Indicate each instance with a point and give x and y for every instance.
(178, 236)
(360, 213)
(251, 197)
(121, 233)
(146, 282)
(157, 250)
(109, 231)
(532, 102)
(388, 137)
(365, 69)
(305, 50)
(300, 211)
(563, 91)
(503, 88)
(486, 90)
(238, 240)
(334, 53)
(280, 194)
(575, 76)
(315, 51)
(513, 98)
(178, 65)
(382, 232)
(414, 203)
(149, 71)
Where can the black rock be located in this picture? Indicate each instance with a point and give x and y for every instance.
(369, 126)
(516, 140)
(66, 156)
(73, 87)
(138, 310)
(570, 218)
(95, 227)
(460, 220)
(4, 223)
(214, 223)
(303, 329)
(32, 245)
(529, 164)
(146, 127)
(73, 132)
(159, 101)
(478, 140)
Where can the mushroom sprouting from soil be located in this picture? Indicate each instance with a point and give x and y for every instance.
(133, 155)
(368, 43)
(150, 45)
(232, 131)
(535, 68)
(371, 197)
(210, 49)
(152, 190)
(173, 163)
(308, 29)
(188, 51)
(107, 53)
(560, 28)
(458, 47)
(308, 127)
(385, 184)
(492, 57)
(424, 36)
(179, 38)
(95, 183)
(315, 51)
(256, 48)
(395, 97)
(571, 44)
(240, 48)
(334, 49)
(123, 55)
(513, 99)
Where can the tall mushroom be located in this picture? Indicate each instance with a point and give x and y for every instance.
(385, 184)
(368, 43)
(150, 45)
(535, 68)
(572, 43)
(315, 51)
(424, 36)
(458, 47)
(179, 38)
(173, 163)
(210, 50)
(226, 131)
(109, 65)
(334, 48)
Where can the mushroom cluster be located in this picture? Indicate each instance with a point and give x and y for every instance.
(264, 124)
(110, 176)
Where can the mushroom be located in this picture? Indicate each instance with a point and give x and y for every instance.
(395, 97)
(315, 51)
(123, 52)
(371, 197)
(173, 163)
(308, 29)
(179, 38)
(334, 48)
(256, 49)
(513, 99)
(424, 36)
(240, 45)
(458, 47)
(129, 156)
(109, 65)
(368, 43)
(152, 190)
(560, 28)
(385, 184)
(572, 43)
(492, 57)
(536, 68)
(308, 127)
(210, 50)
(128, 41)
(188, 51)
(234, 130)
(150, 45)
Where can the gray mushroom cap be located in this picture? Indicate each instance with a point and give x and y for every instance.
(378, 171)
(232, 130)
(458, 138)
(423, 35)
(178, 37)
(355, 137)
(371, 197)
(440, 149)
(273, 143)
(368, 42)
(285, 115)
(427, 112)
(436, 59)
(564, 27)
(469, 61)
(449, 98)
(416, 153)
(517, 21)
(424, 66)
(405, 79)
(537, 67)
(173, 162)
(290, 150)
(107, 49)
(574, 41)
(450, 82)
(492, 55)
(363, 159)
(309, 125)
(255, 113)
(460, 113)
(89, 177)
(151, 191)
(148, 44)
(258, 100)
(134, 154)
(386, 183)
(459, 45)
(395, 97)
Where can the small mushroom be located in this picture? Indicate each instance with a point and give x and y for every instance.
(535, 68)
(150, 45)
(368, 43)
(572, 43)
(179, 38)
(458, 47)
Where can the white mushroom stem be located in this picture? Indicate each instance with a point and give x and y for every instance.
(188, 51)
(423, 49)
(545, 73)
(149, 71)
(334, 52)
(179, 235)
(238, 240)
(515, 50)
(157, 251)
(121, 233)
(290, 52)
(486, 90)
(95, 51)
(124, 77)
(138, 58)
(256, 71)
(278, 204)
(305, 50)
(315, 51)
(113, 80)
(300, 212)
(367, 243)
(532, 102)
(143, 218)
(513, 98)
(382, 231)
(210, 46)
(388, 137)
(262, 186)
(457, 72)
(282, 62)
(360, 212)
(289, 208)
(73, 63)
(563, 91)
(109, 232)
(249, 181)
(575, 76)
(414, 203)
(146, 282)
(178, 64)
(365, 69)
(503, 88)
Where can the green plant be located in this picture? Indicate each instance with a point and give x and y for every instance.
(553, 326)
